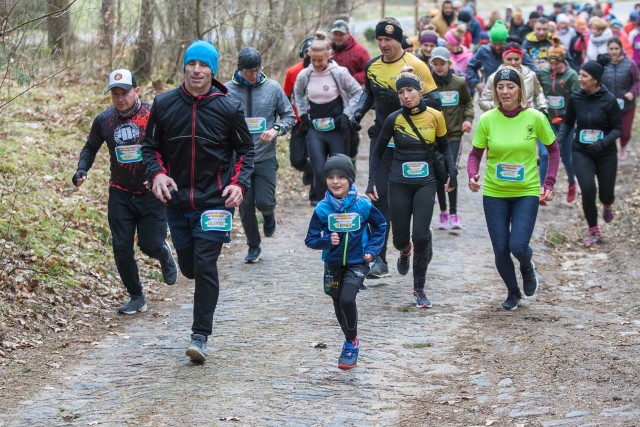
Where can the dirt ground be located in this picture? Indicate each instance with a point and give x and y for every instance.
(568, 358)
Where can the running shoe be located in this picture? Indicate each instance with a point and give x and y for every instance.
(594, 239)
(168, 265)
(349, 355)
(421, 299)
(443, 221)
(571, 193)
(454, 222)
(197, 351)
(253, 254)
(513, 300)
(403, 261)
(269, 225)
(529, 280)
(378, 269)
(136, 304)
(608, 214)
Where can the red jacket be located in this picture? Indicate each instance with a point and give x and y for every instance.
(290, 82)
(353, 57)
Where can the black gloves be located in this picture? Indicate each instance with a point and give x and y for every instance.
(389, 96)
(304, 123)
(80, 173)
(354, 121)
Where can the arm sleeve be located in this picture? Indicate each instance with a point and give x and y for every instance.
(538, 94)
(366, 98)
(635, 76)
(485, 100)
(315, 238)
(378, 151)
(151, 145)
(473, 163)
(285, 112)
(288, 84)
(378, 228)
(91, 147)
(615, 118)
(245, 153)
(299, 95)
(568, 122)
(473, 66)
(353, 88)
(442, 143)
(552, 169)
(467, 102)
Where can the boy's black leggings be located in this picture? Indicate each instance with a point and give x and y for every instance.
(345, 305)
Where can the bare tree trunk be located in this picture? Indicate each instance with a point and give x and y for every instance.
(58, 27)
(107, 28)
(144, 53)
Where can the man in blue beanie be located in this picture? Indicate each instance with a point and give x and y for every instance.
(199, 159)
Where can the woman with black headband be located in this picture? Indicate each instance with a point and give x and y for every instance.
(511, 189)
(598, 119)
(412, 178)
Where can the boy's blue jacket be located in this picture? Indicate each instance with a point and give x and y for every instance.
(368, 239)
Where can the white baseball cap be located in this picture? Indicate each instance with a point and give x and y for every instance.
(121, 78)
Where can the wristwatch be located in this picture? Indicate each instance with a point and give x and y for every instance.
(277, 127)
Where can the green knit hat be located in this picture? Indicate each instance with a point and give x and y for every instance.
(498, 33)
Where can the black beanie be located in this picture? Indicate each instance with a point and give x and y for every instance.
(342, 165)
(596, 68)
(464, 16)
(249, 58)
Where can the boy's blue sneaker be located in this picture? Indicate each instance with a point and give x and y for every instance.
(349, 356)
(197, 351)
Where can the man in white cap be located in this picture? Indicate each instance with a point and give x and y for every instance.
(131, 205)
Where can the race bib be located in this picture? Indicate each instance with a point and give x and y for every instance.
(129, 153)
(342, 222)
(590, 136)
(449, 98)
(415, 169)
(392, 143)
(216, 220)
(556, 102)
(324, 125)
(256, 124)
(510, 172)
(620, 102)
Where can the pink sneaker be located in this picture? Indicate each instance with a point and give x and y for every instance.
(443, 222)
(454, 222)
(595, 236)
(571, 194)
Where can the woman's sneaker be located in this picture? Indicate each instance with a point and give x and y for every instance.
(421, 299)
(349, 355)
(595, 237)
(454, 222)
(379, 269)
(608, 214)
(529, 280)
(443, 221)
(513, 300)
(403, 261)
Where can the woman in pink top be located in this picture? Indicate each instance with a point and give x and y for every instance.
(460, 54)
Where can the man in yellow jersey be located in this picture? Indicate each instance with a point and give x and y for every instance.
(380, 90)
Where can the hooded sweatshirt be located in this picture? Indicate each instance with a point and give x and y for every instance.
(264, 104)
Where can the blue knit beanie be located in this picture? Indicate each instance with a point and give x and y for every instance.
(204, 51)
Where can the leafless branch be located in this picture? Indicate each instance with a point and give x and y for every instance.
(39, 18)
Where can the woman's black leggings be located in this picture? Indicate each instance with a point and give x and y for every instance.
(588, 166)
(407, 201)
(453, 195)
(321, 145)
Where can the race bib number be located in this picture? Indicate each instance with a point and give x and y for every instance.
(510, 172)
(342, 222)
(620, 102)
(256, 124)
(590, 136)
(449, 98)
(415, 169)
(129, 153)
(324, 125)
(556, 102)
(391, 144)
(216, 220)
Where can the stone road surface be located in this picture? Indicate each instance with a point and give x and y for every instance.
(450, 365)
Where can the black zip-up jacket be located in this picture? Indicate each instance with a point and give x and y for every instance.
(597, 111)
(202, 142)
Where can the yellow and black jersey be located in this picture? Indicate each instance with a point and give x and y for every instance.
(380, 75)
(411, 157)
